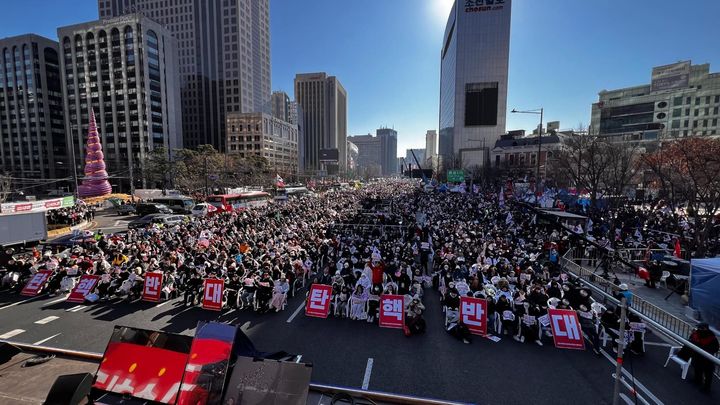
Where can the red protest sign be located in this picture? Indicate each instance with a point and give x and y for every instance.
(566, 329)
(392, 311)
(86, 284)
(213, 294)
(318, 302)
(152, 287)
(36, 283)
(473, 313)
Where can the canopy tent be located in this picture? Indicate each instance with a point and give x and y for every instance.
(705, 289)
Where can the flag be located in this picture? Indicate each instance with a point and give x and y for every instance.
(501, 198)
(279, 182)
(677, 248)
(589, 225)
(509, 219)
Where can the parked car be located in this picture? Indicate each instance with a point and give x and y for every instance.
(177, 203)
(152, 208)
(125, 209)
(147, 220)
(172, 220)
(203, 210)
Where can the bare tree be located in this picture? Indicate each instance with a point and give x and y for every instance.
(623, 163)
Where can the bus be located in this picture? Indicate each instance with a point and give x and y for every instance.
(282, 194)
(178, 203)
(230, 202)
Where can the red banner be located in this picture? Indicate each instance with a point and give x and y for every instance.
(152, 287)
(36, 283)
(213, 294)
(86, 284)
(473, 313)
(392, 311)
(566, 329)
(318, 302)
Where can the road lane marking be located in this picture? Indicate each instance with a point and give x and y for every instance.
(47, 320)
(632, 379)
(163, 303)
(297, 311)
(76, 308)
(55, 301)
(12, 333)
(368, 371)
(39, 342)
(20, 302)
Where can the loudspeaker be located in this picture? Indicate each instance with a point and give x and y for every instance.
(7, 351)
(69, 389)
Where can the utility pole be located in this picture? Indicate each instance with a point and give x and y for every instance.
(620, 350)
(206, 178)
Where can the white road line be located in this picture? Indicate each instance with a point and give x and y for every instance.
(47, 320)
(76, 308)
(39, 342)
(368, 371)
(12, 333)
(163, 303)
(63, 298)
(632, 380)
(20, 302)
(297, 311)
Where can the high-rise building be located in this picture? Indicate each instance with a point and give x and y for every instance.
(369, 153)
(473, 80)
(353, 153)
(388, 139)
(224, 58)
(324, 114)
(32, 133)
(681, 100)
(280, 103)
(419, 154)
(125, 69)
(431, 155)
(264, 135)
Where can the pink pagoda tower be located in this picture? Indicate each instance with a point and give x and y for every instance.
(95, 183)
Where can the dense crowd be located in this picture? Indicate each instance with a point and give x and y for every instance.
(387, 238)
(71, 216)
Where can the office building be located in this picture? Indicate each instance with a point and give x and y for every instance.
(293, 108)
(681, 100)
(369, 152)
(224, 58)
(280, 103)
(31, 112)
(473, 80)
(323, 101)
(388, 139)
(125, 69)
(353, 153)
(431, 149)
(419, 154)
(264, 135)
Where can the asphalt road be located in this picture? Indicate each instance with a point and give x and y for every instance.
(432, 365)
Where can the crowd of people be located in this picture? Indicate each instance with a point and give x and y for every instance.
(71, 216)
(387, 238)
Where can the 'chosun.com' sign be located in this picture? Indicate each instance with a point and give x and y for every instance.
(483, 5)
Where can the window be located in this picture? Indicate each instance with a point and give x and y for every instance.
(697, 111)
(707, 99)
(677, 101)
(481, 104)
(687, 100)
(697, 100)
(676, 124)
(717, 99)
(677, 112)
(686, 123)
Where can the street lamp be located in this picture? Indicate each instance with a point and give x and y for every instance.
(539, 111)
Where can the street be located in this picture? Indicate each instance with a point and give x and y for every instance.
(431, 365)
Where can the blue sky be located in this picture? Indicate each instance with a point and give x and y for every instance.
(386, 52)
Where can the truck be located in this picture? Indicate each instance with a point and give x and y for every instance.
(16, 229)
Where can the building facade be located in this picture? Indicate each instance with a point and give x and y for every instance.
(388, 140)
(517, 154)
(369, 153)
(280, 103)
(681, 100)
(32, 131)
(473, 79)
(420, 154)
(224, 58)
(323, 101)
(263, 135)
(125, 69)
(353, 153)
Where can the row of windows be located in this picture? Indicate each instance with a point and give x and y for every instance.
(698, 100)
(677, 112)
(695, 124)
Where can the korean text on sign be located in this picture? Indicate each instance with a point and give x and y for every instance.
(213, 294)
(566, 329)
(152, 287)
(84, 287)
(318, 302)
(392, 311)
(36, 283)
(473, 313)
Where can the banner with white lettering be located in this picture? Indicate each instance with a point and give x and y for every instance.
(392, 311)
(318, 302)
(473, 313)
(213, 294)
(36, 283)
(152, 287)
(566, 329)
(84, 287)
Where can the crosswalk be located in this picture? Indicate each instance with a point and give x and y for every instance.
(76, 308)
(47, 320)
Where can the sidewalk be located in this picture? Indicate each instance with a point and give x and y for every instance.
(673, 305)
